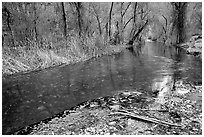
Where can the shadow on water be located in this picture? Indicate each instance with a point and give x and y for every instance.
(32, 97)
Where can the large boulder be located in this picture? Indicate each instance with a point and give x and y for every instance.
(194, 45)
(194, 51)
(195, 37)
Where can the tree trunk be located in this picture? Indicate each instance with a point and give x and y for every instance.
(181, 19)
(134, 20)
(106, 33)
(179, 12)
(98, 20)
(64, 19)
(99, 25)
(78, 6)
(8, 18)
(122, 25)
(165, 29)
(35, 23)
(109, 33)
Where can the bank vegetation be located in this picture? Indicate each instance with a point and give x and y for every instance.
(39, 35)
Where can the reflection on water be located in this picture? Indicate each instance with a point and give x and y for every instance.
(159, 83)
(163, 87)
(35, 96)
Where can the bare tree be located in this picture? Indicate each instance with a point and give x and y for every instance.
(135, 32)
(165, 29)
(196, 16)
(35, 21)
(122, 15)
(179, 12)
(97, 18)
(78, 6)
(121, 21)
(64, 19)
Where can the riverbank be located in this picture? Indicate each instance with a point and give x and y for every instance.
(34, 57)
(130, 112)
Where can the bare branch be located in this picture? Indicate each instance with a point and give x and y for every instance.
(127, 22)
(153, 120)
(98, 20)
(126, 9)
(165, 19)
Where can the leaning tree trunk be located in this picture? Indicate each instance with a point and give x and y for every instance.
(64, 19)
(137, 34)
(122, 27)
(98, 20)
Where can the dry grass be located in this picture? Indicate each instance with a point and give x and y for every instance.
(31, 56)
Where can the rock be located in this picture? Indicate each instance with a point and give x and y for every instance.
(126, 93)
(195, 37)
(193, 51)
(198, 45)
(194, 46)
(182, 91)
(198, 41)
(94, 104)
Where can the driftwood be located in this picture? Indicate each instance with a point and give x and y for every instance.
(153, 120)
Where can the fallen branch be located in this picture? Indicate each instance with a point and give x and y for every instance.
(159, 110)
(153, 120)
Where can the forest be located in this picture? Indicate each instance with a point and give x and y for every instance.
(44, 34)
(102, 68)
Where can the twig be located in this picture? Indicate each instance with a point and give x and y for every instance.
(126, 113)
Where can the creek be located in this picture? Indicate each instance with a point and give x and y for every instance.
(32, 97)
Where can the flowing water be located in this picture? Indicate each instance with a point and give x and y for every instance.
(32, 97)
